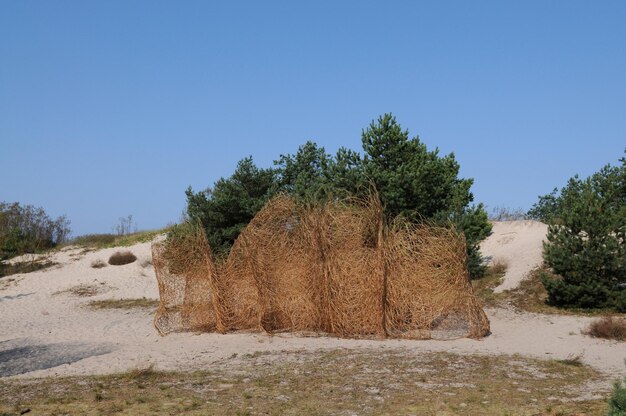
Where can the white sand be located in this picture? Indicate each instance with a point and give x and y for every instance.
(519, 245)
(30, 309)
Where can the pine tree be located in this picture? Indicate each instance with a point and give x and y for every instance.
(586, 242)
(228, 207)
(418, 184)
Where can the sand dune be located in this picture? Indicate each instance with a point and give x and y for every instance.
(519, 245)
(40, 315)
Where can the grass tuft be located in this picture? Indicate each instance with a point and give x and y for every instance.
(574, 360)
(98, 264)
(83, 291)
(121, 258)
(608, 327)
(124, 304)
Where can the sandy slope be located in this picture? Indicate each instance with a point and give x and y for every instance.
(519, 245)
(36, 319)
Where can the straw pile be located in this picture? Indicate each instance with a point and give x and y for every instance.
(335, 268)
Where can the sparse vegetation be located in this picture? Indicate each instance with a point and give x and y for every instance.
(121, 258)
(28, 229)
(93, 240)
(507, 214)
(573, 360)
(365, 382)
(99, 241)
(124, 304)
(7, 269)
(484, 286)
(608, 327)
(98, 264)
(529, 296)
(84, 290)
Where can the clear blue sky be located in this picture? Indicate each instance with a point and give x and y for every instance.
(113, 108)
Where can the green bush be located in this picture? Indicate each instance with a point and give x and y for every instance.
(586, 241)
(412, 182)
(617, 401)
(27, 229)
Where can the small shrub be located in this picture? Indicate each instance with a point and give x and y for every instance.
(609, 327)
(122, 257)
(98, 264)
(498, 267)
(617, 401)
(146, 263)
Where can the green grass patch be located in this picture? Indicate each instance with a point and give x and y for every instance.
(99, 241)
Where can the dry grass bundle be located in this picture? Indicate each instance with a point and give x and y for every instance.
(608, 327)
(336, 268)
(98, 264)
(184, 269)
(121, 258)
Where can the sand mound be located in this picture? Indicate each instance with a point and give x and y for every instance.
(519, 245)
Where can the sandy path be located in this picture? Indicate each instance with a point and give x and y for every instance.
(105, 341)
(519, 245)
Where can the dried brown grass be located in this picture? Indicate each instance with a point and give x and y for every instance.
(498, 266)
(608, 327)
(121, 258)
(98, 264)
(337, 268)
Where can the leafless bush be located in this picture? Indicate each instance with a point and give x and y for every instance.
(125, 226)
(608, 327)
(121, 258)
(507, 214)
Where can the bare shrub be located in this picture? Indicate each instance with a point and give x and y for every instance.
(125, 226)
(608, 327)
(98, 264)
(146, 263)
(507, 214)
(498, 266)
(121, 258)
